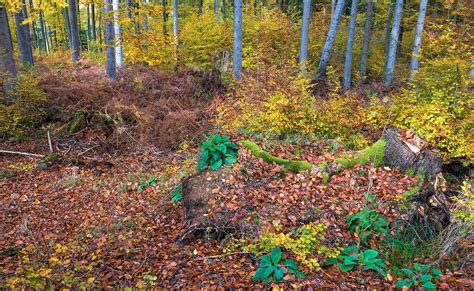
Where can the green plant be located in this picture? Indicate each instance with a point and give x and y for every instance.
(367, 222)
(150, 182)
(271, 268)
(177, 194)
(420, 274)
(351, 257)
(216, 151)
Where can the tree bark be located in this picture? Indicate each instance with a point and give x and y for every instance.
(118, 35)
(175, 30)
(388, 28)
(93, 25)
(7, 63)
(369, 18)
(74, 25)
(304, 33)
(109, 41)
(350, 40)
(326, 54)
(237, 52)
(392, 49)
(415, 58)
(68, 26)
(23, 36)
(216, 9)
(43, 32)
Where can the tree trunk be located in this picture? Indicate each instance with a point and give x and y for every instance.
(109, 41)
(75, 40)
(415, 58)
(175, 30)
(388, 28)
(216, 9)
(43, 32)
(237, 52)
(350, 40)
(7, 63)
(118, 35)
(200, 4)
(326, 54)
(93, 25)
(145, 17)
(68, 26)
(304, 33)
(23, 36)
(364, 57)
(392, 49)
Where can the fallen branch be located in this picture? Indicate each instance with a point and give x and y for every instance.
(21, 153)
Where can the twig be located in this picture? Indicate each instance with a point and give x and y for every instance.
(21, 153)
(49, 142)
(221, 255)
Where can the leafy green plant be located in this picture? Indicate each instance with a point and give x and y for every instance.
(177, 194)
(217, 151)
(367, 222)
(352, 257)
(150, 182)
(271, 268)
(420, 274)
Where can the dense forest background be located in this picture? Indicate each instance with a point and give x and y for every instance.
(134, 103)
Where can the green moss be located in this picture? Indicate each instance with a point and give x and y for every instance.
(410, 171)
(372, 153)
(267, 157)
(412, 191)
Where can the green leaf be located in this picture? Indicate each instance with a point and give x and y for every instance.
(299, 274)
(222, 148)
(176, 197)
(230, 160)
(259, 274)
(345, 268)
(265, 262)
(425, 278)
(276, 255)
(291, 264)
(350, 260)
(268, 271)
(217, 138)
(370, 254)
(407, 272)
(402, 283)
(329, 262)
(279, 272)
(216, 165)
(429, 285)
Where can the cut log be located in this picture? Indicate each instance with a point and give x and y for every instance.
(403, 155)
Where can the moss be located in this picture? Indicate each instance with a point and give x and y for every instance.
(372, 153)
(412, 191)
(78, 121)
(267, 157)
(410, 171)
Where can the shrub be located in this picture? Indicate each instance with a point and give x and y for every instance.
(217, 151)
(420, 274)
(352, 257)
(270, 269)
(365, 223)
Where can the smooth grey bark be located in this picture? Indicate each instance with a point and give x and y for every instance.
(388, 28)
(216, 9)
(237, 52)
(175, 30)
(93, 25)
(109, 41)
(415, 58)
(145, 17)
(118, 34)
(7, 63)
(74, 26)
(43, 32)
(35, 33)
(368, 30)
(346, 81)
(23, 36)
(392, 49)
(68, 25)
(304, 32)
(326, 54)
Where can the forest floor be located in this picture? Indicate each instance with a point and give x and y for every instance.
(98, 213)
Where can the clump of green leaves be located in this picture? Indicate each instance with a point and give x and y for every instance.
(420, 274)
(367, 222)
(150, 182)
(351, 257)
(217, 151)
(272, 269)
(177, 194)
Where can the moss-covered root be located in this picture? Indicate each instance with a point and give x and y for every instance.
(267, 157)
(373, 153)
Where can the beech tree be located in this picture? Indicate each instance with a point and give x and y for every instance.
(74, 26)
(7, 63)
(23, 35)
(118, 35)
(175, 29)
(415, 58)
(304, 32)
(109, 41)
(237, 52)
(326, 53)
(369, 19)
(393, 45)
(350, 40)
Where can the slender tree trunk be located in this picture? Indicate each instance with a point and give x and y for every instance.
(7, 63)
(35, 33)
(145, 17)
(129, 8)
(237, 53)
(175, 30)
(200, 5)
(326, 54)
(165, 18)
(109, 41)
(93, 24)
(364, 56)
(68, 26)
(350, 40)
(224, 9)
(23, 36)
(216, 9)
(43, 32)
(118, 35)
(73, 22)
(89, 29)
(304, 33)
(392, 49)
(415, 58)
(388, 28)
